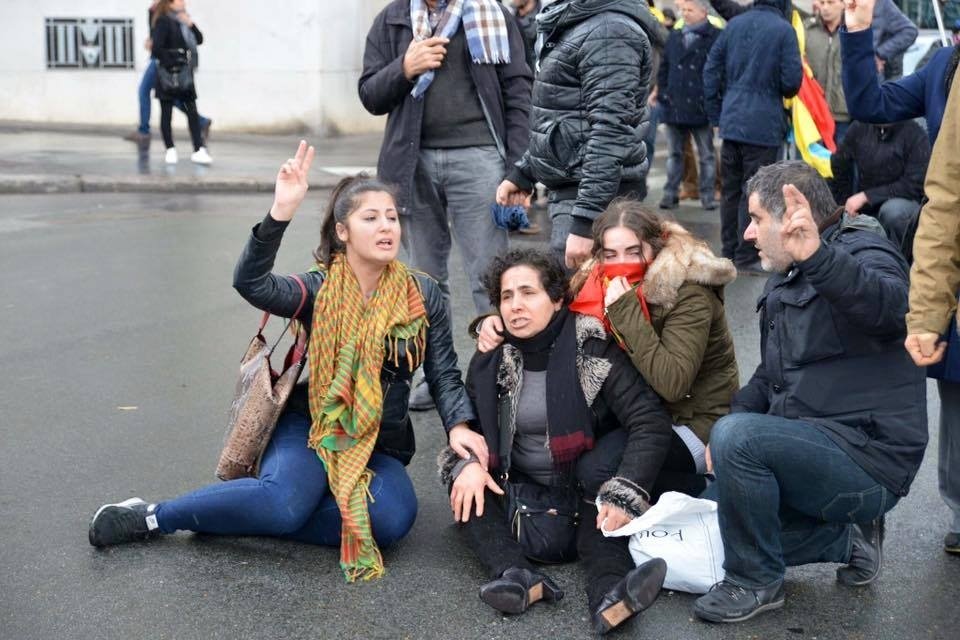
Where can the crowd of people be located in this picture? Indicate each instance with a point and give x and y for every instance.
(605, 373)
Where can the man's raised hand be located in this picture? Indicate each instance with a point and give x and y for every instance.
(858, 14)
(798, 231)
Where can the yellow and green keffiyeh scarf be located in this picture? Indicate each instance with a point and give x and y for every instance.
(346, 354)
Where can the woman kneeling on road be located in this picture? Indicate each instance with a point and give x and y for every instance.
(333, 472)
(659, 291)
(552, 404)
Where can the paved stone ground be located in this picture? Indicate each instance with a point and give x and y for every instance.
(123, 336)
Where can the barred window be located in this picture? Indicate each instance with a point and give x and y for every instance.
(90, 43)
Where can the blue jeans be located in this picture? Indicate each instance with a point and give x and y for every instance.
(453, 190)
(146, 85)
(787, 496)
(703, 138)
(840, 132)
(895, 216)
(291, 498)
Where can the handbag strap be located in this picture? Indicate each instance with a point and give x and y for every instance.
(300, 346)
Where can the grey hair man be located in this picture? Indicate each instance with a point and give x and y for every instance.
(806, 474)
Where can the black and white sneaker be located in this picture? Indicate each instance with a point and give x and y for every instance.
(128, 521)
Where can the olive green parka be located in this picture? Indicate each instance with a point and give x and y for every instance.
(685, 352)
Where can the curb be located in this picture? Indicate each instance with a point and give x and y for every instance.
(47, 184)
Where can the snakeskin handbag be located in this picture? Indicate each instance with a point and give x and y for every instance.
(259, 398)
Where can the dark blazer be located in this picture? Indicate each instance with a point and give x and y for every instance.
(831, 349)
(280, 295)
(680, 78)
(504, 91)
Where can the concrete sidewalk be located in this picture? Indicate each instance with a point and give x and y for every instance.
(67, 159)
(36, 159)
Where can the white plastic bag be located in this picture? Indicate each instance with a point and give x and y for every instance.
(684, 531)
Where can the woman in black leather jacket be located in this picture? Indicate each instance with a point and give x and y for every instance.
(292, 498)
(571, 427)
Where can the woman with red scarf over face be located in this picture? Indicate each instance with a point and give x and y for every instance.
(659, 291)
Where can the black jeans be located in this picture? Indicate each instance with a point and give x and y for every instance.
(739, 162)
(193, 120)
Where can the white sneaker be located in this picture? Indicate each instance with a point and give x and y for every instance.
(200, 156)
(171, 157)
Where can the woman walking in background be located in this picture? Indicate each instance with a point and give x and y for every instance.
(173, 33)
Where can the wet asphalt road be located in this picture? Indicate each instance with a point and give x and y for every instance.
(122, 336)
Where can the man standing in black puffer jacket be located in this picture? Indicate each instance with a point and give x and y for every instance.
(589, 115)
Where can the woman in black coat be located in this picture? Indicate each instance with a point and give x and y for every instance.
(563, 412)
(174, 33)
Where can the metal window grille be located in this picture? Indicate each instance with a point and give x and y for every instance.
(90, 43)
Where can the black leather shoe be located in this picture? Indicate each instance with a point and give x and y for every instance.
(727, 602)
(866, 555)
(635, 593)
(516, 589)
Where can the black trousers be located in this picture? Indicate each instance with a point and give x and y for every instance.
(606, 561)
(193, 120)
(739, 162)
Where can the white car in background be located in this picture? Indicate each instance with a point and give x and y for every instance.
(925, 39)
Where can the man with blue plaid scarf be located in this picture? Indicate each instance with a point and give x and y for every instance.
(452, 77)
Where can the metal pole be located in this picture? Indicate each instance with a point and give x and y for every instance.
(943, 32)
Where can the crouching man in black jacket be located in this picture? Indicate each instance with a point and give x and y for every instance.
(830, 431)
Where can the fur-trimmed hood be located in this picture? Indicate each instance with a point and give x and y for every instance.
(683, 259)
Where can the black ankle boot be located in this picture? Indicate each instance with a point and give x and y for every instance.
(516, 589)
(636, 592)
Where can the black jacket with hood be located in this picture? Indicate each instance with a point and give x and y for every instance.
(589, 116)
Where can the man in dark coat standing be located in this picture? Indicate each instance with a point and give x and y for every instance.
(455, 86)
(680, 97)
(589, 116)
(753, 65)
(829, 433)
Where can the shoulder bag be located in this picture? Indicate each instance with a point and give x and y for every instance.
(175, 73)
(259, 398)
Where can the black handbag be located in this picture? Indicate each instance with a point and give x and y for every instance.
(175, 73)
(543, 519)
